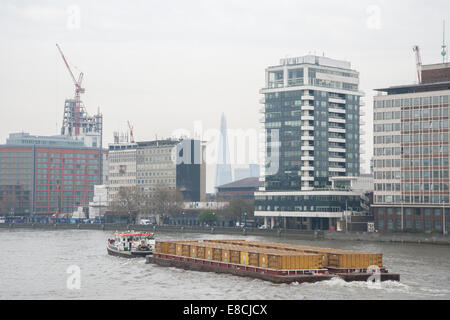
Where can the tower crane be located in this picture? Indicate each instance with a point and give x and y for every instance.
(418, 63)
(78, 90)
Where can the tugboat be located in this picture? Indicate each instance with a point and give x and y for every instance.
(131, 244)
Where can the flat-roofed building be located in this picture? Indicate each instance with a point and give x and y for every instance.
(411, 154)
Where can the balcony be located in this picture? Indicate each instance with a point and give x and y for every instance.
(307, 158)
(307, 138)
(337, 169)
(336, 100)
(336, 159)
(307, 97)
(337, 140)
(307, 148)
(336, 129)
(337, 150)
(307, 107)
(307, 178)
(307, 118)
(337, 110)
(307, 168)
(307, 128)
(337, 120)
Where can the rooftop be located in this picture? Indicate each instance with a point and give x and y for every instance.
(251, 182)
(416, 88)
(316, 60)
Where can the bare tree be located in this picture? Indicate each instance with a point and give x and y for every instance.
(166, 201)
(236, 207)
(129, 201)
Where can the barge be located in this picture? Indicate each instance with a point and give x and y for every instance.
(275, 262)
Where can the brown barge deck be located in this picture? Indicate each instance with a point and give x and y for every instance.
(273, 275)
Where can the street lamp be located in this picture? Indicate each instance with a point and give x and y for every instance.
(443, 218)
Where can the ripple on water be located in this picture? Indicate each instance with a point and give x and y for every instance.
(41, 273)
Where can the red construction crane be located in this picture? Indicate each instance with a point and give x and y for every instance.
(131, 132)
(78, 91)
(418, 63)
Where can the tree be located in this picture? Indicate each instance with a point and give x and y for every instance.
(130, 201)
(166, 201)
(208, 216)
(236, 208)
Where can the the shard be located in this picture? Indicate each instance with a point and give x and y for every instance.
(223, 170)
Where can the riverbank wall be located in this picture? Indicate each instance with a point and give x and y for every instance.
(430, 238)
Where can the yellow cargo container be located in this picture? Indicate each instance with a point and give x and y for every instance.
(171, 248)
(225, 256)
(200, 252)
(179, 248)
(217, 254)
(263, 260)
(253, 259)
(208, 253)
(235, 256)
(193, 251)
(185, 249)
(244, 258)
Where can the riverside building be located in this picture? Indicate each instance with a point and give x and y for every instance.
(172, 163)
(45, 175)
(312, 126)
(411, 154)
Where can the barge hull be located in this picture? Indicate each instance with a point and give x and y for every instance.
(268, 275)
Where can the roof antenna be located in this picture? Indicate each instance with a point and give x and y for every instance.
(443, 52)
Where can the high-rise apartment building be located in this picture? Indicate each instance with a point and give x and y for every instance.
(312, 125)
(411, 153)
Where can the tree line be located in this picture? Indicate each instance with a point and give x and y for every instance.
(164, 202)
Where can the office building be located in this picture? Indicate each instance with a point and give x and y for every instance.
(47, 175)
(411, 153)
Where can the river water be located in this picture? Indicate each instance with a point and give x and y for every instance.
(74, 264)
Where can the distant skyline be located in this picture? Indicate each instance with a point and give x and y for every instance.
(168, 65)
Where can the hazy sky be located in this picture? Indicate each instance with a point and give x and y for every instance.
(164, 65)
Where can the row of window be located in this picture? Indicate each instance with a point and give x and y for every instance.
(411, 102)
(68, 155)
(412, 114)
(416, 199)
(412, 150)
(411, 162)
(427, 225)
(413, 174)
(411, 187)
